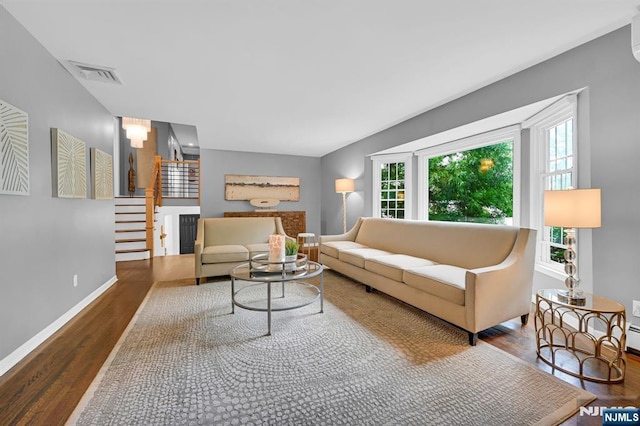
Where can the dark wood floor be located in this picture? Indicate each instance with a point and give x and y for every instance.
(45, 387)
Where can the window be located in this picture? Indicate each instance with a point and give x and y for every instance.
(553, 141)
(392, 180)
(472, 180)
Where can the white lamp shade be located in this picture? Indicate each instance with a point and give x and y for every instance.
(344, 185)
(573, 208)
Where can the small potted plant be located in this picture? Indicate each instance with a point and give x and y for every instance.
(291, 250)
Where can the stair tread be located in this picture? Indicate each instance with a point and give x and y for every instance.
(131, 240)
(130, 221)
(131, 230)
(136, 212)
(131, 251)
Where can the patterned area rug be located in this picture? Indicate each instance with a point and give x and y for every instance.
(368, 359)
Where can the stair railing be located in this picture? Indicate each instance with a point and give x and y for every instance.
(181, 179)
(170, 179)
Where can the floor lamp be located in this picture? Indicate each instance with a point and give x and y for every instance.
(571, 209)
(344, 186)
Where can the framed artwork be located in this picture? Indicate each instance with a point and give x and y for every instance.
(14, 150)
(101, 175)
(69, 165)
(246, 187)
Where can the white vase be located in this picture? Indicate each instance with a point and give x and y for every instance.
(290, 259)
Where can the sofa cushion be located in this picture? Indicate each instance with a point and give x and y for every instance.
(255, 249)
(444, 281)
(225, 253)
(357, 256)
(332, 248)
(392, 266)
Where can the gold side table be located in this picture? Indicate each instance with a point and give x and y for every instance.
(586, 341)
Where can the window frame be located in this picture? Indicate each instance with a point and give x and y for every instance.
(377, 161)
(564, 109)
(466, 144)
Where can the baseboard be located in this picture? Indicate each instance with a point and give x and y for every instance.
(16, 356)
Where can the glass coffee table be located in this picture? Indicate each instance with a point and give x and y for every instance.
(289, 277)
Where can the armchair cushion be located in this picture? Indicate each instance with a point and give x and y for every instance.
(258, 248)
(225, 253)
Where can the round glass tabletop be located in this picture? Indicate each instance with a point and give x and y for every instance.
(592, 302)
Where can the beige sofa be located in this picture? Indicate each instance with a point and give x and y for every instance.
(222, 243)
(474, 276)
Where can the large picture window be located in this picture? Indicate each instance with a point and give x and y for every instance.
(471, 180)
(472, 186)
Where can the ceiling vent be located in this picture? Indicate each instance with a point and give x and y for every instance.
(93, 72)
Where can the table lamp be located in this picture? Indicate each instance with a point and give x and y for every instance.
(572, 209)
(344, 186)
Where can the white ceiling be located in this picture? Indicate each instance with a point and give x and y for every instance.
(495, 122)
(305, 77)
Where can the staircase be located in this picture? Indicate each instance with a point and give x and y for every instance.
(135, 216)
(131, 243)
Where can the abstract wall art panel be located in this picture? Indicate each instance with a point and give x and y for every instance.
(69, 158)
(102, 174)
(14, 150)
(243, 187)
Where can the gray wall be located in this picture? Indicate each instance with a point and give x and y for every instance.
(607, 69)
(46, 240)
(215, 164)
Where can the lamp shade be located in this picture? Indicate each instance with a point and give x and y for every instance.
(344, 185)
(573, 208)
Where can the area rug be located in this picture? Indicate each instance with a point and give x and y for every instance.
(367, 360)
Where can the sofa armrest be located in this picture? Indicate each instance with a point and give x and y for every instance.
(198, 247)
(350, 235)
(498, 293)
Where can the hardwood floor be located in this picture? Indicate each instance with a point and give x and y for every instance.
(45, 387)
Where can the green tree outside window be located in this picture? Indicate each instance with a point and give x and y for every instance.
(472, 186)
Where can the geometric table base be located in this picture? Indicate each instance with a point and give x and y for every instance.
(566, 336)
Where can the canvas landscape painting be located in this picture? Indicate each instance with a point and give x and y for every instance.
(245, 187)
